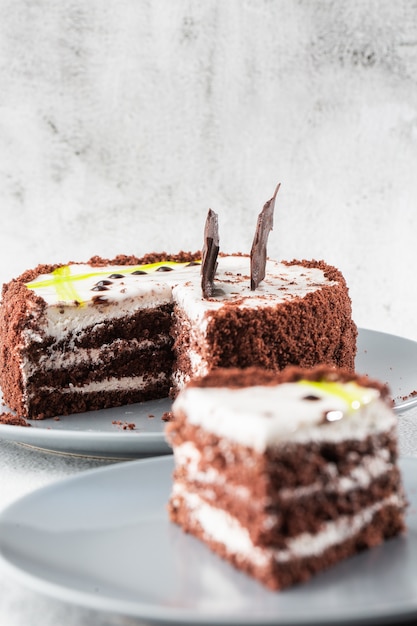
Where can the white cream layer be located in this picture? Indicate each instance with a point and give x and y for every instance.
(57, 360)
(223, 528)
(371, 467)
(261, 416)
(111, 384)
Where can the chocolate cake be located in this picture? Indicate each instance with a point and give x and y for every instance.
(284, 474)
(80, 337)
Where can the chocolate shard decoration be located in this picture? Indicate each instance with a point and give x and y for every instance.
(258, 251)
(210, 253)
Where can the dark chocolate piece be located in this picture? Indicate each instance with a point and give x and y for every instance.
(258, 251)
(210, 253)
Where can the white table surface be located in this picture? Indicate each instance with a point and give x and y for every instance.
(22, 470)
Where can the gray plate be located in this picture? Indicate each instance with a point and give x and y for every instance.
(98, 433)
(386, 357)
(102, 539)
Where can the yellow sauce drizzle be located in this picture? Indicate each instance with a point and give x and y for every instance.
(64, 286)
(351, 393)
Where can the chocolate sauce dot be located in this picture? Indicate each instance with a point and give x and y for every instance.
(311, 397)
(99, 288)
(164, 268)
(102, 283)
(99, 300)
(116, 276)
(192, 263)
(137, 272)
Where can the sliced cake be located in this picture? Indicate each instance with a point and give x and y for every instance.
(80, 337)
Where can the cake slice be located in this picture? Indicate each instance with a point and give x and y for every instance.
(284, 474)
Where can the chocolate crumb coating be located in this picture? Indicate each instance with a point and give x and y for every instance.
(237, 378)
(13, 420)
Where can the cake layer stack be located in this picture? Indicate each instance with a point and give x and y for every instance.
(284, 474)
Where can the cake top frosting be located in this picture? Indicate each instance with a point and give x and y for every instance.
(78, 285)
(283, 283)
(260, 415)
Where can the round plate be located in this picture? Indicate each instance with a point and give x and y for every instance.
(386, 357)
(103, 539)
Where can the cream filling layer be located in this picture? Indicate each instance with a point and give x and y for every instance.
(188, 458)
(219, 526)
(199, 367)
(57, 360)
(111, 384)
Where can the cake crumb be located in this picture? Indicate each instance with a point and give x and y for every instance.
(167, 416)
(151, 416)
(12, 420)
(124, 425)
(412, 394)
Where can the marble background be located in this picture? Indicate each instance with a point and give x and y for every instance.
(122, 122)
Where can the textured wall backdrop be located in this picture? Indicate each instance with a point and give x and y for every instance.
(122, 122)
